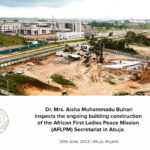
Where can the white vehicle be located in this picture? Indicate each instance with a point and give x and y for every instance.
(30, 64)
(33, 42)
(75, 57)
(20, 71)
(4, 75)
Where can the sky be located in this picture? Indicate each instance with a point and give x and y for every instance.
(90, 9)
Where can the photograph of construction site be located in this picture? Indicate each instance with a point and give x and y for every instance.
(55, 56)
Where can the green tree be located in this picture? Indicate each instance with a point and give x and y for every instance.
(69, 49)
(97, 49)
(111, 33)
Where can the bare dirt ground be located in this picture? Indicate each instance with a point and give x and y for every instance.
(144, 51)
(90, 81)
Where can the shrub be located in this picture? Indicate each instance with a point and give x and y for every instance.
(112, 82)
(61, 80)
(140, 93)
(122, 94)
(130, 51)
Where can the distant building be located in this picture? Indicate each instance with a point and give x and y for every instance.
(91, 32)
(138, 21)
(69, 35)
(34, 30)
(10, 27)
(65, 26)
(37, 27)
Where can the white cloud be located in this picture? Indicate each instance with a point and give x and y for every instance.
(85, 9)
(34, 3)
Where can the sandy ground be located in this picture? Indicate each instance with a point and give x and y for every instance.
(93, 80)
(144, 51)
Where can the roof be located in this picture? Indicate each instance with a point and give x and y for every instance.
(10, 23)
(75, 56)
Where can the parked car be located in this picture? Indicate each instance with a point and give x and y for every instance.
(20, 71)
(10, 72)
(30, 64)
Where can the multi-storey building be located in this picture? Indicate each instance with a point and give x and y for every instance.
(10, 27)
(35, 27)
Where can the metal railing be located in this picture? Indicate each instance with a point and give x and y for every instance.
(147, 59)
(24, 57)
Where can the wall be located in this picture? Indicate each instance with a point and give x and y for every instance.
(22, 48)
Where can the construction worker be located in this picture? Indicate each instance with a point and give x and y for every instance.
(120, 60)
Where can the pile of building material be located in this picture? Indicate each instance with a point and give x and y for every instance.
(61, 60)
(62, 54)
(145, 77)
(71, 56)
(69, 35)
(131, 65)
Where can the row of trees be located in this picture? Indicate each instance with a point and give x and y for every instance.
(107, 25)
(120, 45)
(132, 38)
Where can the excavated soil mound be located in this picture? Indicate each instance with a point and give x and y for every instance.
(145, 77)
(24, 88)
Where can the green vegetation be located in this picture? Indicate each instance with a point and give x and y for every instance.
(61, 80)
(119, 25)
(6, 40)
(15, 80)
(50, 45)
(119, 45)
(111, 34)
(112, 82)
(138, 26)
(107, 25)
(97, 48)
(122, 94)
(140, 93)
(69, 49)
(92, 41)
(139, 39)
